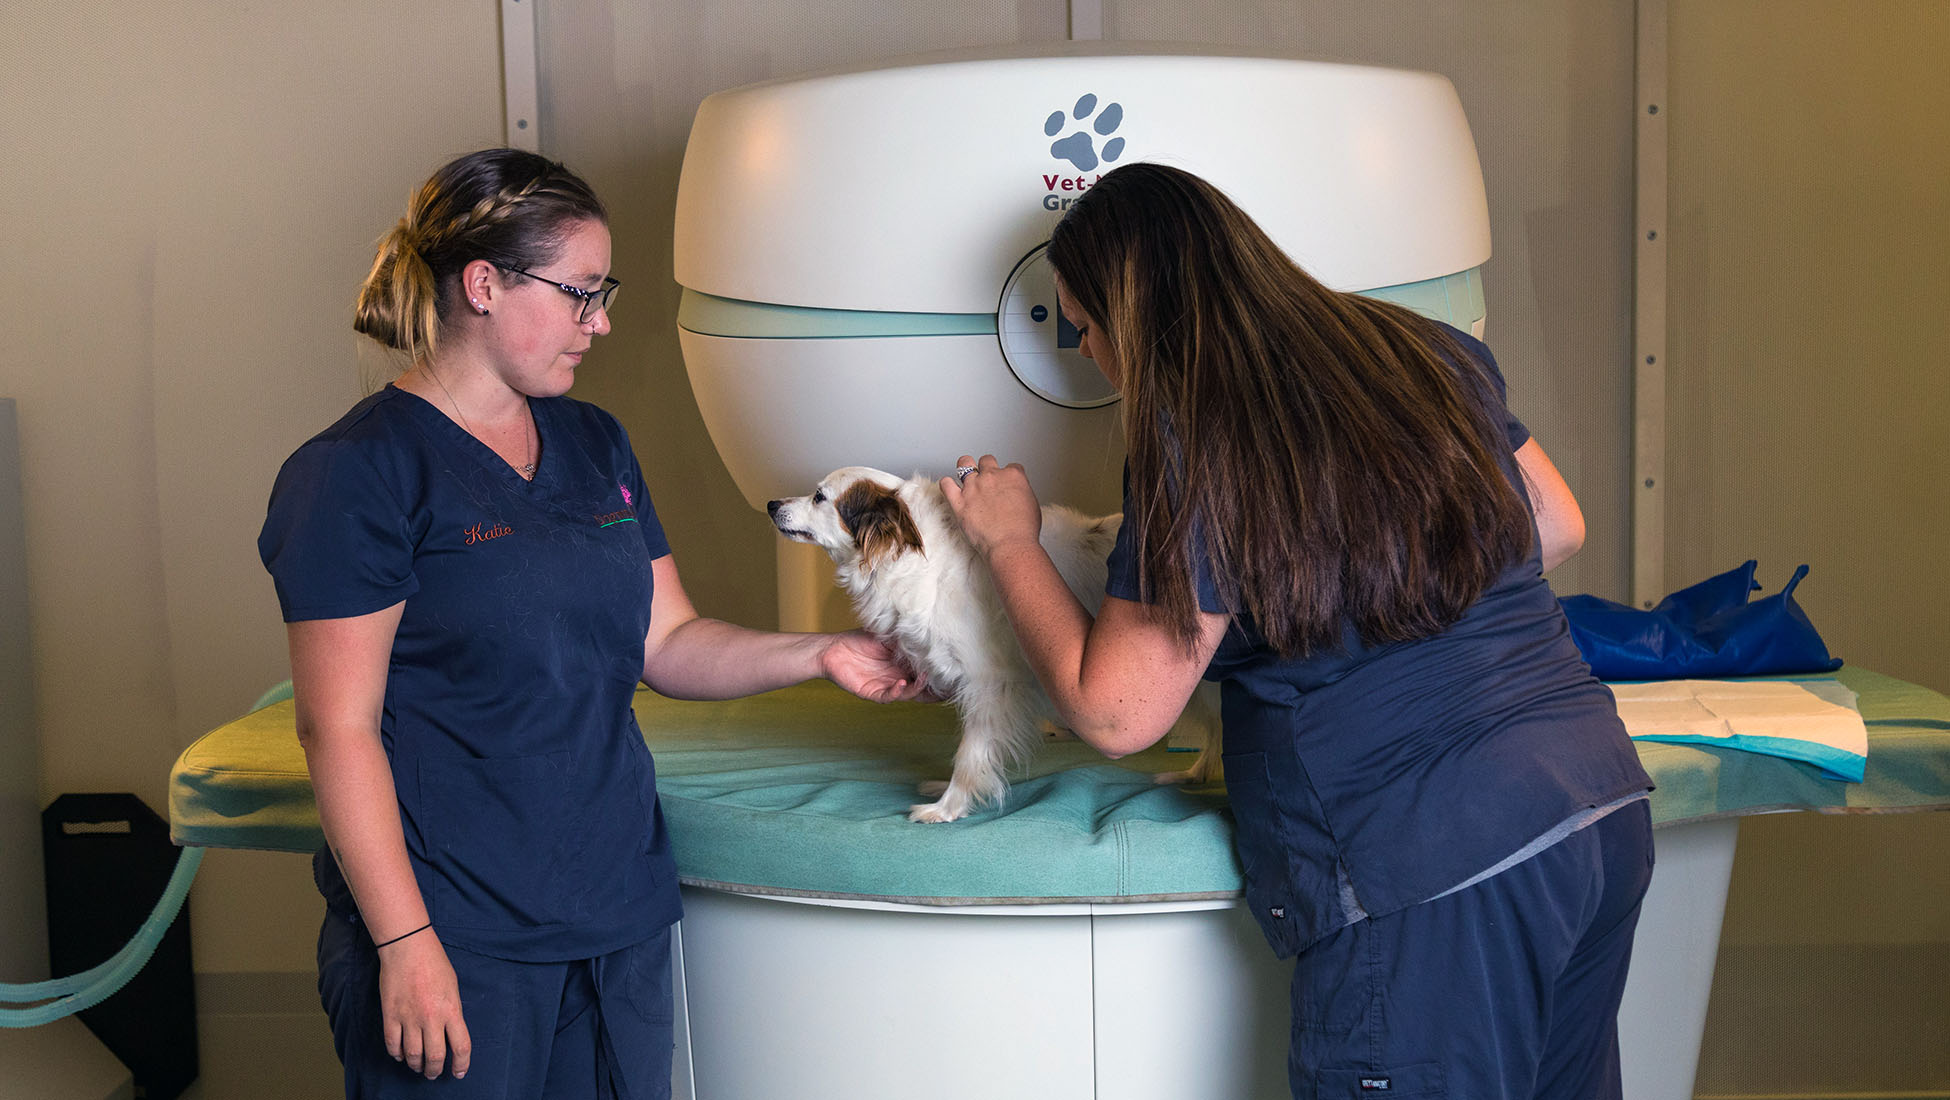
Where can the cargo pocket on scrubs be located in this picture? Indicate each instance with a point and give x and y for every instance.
(499, 833)
(1269, 889)
(652, 989)
(1335, 983)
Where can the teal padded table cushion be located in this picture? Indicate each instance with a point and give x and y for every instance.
(805, 791)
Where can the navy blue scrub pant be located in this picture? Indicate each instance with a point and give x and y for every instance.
(592, 1029)
(1507, 990)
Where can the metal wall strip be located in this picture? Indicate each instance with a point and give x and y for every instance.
(1086, 20)
(1649, 361)
(519, 84)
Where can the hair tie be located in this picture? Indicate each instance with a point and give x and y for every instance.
(409, 237)
(396, 939)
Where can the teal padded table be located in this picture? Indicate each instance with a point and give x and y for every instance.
(816, 914)
(810, 763)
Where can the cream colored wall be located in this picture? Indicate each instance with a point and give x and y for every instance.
(1810, 268)
(190, 192)
(1809, 253)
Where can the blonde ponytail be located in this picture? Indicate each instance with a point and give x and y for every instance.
(398, 303)
(506, 206)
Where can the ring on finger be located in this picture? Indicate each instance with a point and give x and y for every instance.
(962, 472)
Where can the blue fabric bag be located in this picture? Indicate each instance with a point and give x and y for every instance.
(1707, 630)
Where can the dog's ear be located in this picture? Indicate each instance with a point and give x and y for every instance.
(877, 520)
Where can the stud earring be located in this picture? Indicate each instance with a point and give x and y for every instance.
(479, 307)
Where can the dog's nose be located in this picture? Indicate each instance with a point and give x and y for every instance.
(772, 507)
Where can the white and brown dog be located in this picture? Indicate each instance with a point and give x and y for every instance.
(916, 582)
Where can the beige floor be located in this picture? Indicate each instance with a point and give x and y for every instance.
(263, 1037)
(266, 1058)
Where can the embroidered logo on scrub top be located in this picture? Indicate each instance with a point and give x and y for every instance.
(626, 515)
(481, 532)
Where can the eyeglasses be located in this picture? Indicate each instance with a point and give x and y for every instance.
(592, 300)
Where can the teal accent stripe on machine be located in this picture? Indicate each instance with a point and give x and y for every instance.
(1457, 299)
(709, 315)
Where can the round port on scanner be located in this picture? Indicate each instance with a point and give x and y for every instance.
(1039, 345)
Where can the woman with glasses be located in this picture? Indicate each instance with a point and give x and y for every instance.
(1330, 509)
(474, 581)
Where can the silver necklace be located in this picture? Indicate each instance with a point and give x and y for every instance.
(526, 470)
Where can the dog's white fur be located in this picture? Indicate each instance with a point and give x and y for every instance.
(916, 582)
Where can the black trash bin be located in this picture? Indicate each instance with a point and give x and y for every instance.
(108, 860)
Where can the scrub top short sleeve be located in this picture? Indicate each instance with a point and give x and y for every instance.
(1514, 428)
(335, 540)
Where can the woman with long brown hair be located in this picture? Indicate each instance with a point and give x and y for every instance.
(1330, 509)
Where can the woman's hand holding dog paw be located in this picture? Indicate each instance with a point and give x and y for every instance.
(870, 669)
(995, 503)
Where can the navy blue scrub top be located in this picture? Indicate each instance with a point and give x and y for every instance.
(526, 793)
(1369, 779)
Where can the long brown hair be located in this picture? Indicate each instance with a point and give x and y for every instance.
(1335, 458)
(509, 207)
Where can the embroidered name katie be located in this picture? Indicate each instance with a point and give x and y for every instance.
(482, 532)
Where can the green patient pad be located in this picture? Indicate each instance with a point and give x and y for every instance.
(806, 790)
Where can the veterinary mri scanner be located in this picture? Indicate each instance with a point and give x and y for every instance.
(861, 256)
(861, 252)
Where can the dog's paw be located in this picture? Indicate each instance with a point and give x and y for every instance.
(935, 813)
(1206, 769)
(931, 788)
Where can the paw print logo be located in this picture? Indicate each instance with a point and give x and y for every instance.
(1080, 148)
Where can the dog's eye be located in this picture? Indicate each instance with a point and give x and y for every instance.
(819, 497)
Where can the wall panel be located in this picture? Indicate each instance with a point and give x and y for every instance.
(1810, 146)
(192, 195)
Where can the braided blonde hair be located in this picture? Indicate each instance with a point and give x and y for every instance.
(509, 207)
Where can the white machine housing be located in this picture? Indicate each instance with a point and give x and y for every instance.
(860, 250)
